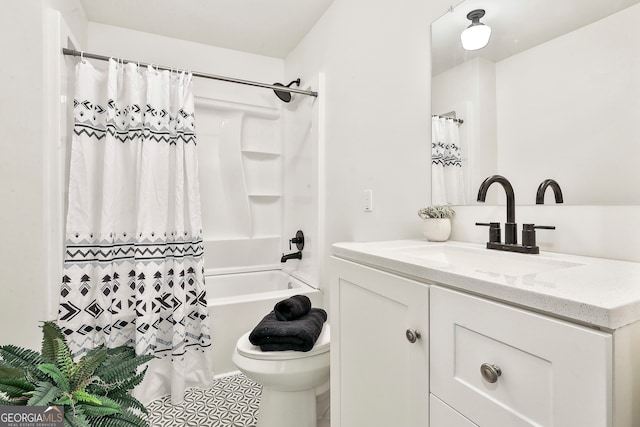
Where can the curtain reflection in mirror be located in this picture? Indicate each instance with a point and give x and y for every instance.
(446, 162)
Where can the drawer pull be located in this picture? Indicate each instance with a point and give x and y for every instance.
(490, 372)
(413, 335)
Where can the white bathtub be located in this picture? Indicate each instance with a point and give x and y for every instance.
(238, 301)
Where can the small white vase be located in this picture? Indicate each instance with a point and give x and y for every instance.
(436, 229)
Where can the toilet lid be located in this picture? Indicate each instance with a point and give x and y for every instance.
(245, 348)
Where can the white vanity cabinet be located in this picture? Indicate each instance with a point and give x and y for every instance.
(379, 378)
(502, 366)
(556, 348)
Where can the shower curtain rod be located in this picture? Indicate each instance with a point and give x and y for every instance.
(459, 121)
(72, 52)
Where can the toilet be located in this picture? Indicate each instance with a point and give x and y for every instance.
(291, 381)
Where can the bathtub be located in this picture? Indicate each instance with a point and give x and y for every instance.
(238, 301)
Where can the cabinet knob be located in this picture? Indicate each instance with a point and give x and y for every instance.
(490, 372)
(413, 335)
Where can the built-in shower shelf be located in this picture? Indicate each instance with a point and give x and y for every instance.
(265, 196)
(260, 154)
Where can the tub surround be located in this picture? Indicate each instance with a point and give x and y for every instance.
(597, 292)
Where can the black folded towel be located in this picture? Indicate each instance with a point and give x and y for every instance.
(292, 308)
(300, 334)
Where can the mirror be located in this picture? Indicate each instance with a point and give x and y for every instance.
(555, 94)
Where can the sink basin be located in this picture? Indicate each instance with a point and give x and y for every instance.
(485, 260)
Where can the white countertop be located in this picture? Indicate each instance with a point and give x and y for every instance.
(595, 291)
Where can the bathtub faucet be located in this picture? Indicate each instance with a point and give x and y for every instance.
(294, 255)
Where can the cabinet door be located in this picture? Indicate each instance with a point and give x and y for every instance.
(378, 377)
(547, 372)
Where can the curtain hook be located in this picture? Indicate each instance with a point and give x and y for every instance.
(82, 57)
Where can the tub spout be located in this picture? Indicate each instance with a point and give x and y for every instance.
(294, 255)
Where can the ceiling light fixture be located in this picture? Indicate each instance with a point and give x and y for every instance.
(475, 36)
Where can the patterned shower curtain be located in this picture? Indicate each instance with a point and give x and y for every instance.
(133, 268)
(447, 184)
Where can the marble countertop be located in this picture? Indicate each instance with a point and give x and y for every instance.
(598, 292)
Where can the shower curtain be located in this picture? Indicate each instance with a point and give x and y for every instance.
(133, 268)
(446, 163)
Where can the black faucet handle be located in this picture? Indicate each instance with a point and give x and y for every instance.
(298, 240)
(529, 233)
(494, 231)
(531, 227)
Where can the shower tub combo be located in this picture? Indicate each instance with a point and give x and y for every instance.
(238, 301)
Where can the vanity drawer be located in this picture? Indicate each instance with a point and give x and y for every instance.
(551, 372)
(441, 415)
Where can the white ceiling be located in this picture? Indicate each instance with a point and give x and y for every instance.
(516, 25)
(271, 28)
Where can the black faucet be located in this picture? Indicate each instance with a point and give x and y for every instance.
(510, 227)
(557, 192)
(294, 255)
(298, 240)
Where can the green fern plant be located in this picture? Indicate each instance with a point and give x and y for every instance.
(94, 390)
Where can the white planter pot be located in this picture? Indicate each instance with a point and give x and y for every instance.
(436, 229)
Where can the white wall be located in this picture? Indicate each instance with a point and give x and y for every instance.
(23, 301)
(375, 58)
(73, 15)
(30, 218)
(150, 48)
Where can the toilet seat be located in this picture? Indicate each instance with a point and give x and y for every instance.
(246, 349)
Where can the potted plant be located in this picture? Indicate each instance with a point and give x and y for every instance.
(94, 391)
(436, 226)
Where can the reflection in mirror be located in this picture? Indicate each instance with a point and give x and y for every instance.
(555, 94)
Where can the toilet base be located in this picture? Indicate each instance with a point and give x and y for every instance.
(287, 408)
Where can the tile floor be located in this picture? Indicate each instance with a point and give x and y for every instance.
(233, 401)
